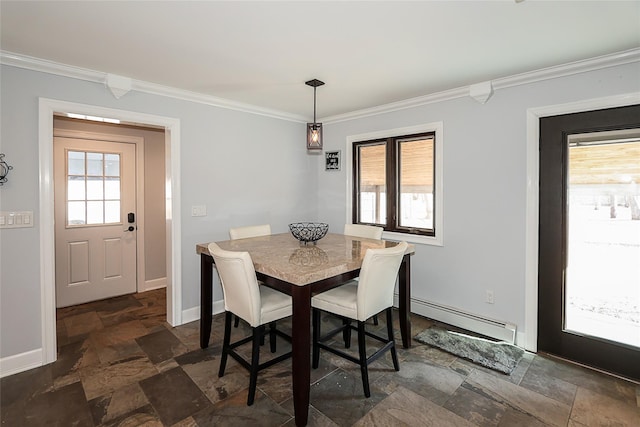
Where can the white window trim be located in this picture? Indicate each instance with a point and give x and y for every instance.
(437, 127)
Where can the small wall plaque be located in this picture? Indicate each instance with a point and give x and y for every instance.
(332, 160)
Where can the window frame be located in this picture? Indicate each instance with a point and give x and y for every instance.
(392, 137)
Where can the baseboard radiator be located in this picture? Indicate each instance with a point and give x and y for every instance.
(497, 329)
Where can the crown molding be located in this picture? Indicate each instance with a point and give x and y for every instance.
(572, 68)
(50, 67)
(399, 105)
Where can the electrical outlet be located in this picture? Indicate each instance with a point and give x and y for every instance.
(488, 296)
(200, 210)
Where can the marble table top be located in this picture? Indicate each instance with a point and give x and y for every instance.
(282, 256)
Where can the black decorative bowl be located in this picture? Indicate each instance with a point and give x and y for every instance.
(307, 232)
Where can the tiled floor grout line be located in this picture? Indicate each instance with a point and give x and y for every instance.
(114, 366)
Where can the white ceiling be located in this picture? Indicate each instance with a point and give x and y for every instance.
(368, 53)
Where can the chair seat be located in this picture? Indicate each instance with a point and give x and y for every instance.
(341, 300)
(275, 305)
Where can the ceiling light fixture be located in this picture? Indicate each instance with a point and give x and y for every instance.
(314, 130)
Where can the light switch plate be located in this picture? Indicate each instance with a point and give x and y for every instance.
(16, 219)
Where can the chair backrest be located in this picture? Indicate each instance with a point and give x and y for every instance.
(361, 230)
(249, 231)
(239, 283)
(378, 279)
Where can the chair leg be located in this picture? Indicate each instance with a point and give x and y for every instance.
(363, 359)
(272, 336)
(225, 343)
(236, 322)
(316, 336)
(394, 355)
(255, 359)
(346, 332)
(375, 319)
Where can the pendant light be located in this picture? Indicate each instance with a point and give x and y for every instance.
(314, 130)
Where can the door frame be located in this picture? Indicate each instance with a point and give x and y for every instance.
(47, 108)
(139, 175)
(532, 197)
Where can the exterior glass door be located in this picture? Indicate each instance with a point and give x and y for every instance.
(602, 285)
(589, 239)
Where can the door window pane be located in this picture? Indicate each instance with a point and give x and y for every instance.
(372, 183)
(76, 213)
(93, 188)
(415, 166)
(603, 242)
(76, 188)
(112, 188)
(76, 163)
(112, 211)
(112, 165)
(95, 212)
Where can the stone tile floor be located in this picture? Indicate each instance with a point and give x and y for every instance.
(120, 364)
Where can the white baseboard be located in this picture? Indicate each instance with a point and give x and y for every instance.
(501, 330)
(192, 314)
(20, 362)
(152, 284)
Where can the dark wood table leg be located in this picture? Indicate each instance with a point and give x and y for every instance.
(206, 295)
(404, 278)
(301, 360)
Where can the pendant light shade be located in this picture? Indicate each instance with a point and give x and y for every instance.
(314, 130)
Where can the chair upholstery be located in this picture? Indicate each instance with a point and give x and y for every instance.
(361, 230)
(257, 305)
(366, 231)
(244, 233)
(249, 231)
(372, 294)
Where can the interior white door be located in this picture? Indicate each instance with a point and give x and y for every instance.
(95, 229)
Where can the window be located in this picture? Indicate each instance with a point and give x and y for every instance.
(93, 188)
(396, 182)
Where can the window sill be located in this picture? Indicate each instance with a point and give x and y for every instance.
(413, 238)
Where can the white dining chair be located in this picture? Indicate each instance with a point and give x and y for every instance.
(362, 230)
(245, 233)
(249, 231)
(255, 304)
(372, 295)
(366, 231)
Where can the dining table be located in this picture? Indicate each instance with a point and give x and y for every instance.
(301, 271)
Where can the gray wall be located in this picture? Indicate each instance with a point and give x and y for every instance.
(484, 188)
(245, 168)
(155, 265)
(252, 169)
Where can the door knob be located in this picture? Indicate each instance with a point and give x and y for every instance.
(131, 228)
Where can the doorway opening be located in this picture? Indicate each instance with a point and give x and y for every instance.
(49, 108)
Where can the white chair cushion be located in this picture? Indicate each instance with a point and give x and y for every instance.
(372, 293)
(341, 300)
(249, 231)
(243, 296)
(361, 230)
(275, 305)
(378, 278)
